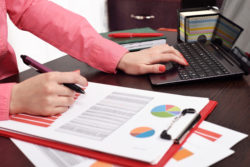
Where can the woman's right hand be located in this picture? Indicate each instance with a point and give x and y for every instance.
(45, 94)
(149, 60)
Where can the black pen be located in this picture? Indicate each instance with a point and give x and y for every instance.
(42, 69)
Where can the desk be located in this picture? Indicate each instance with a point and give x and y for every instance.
(233, 96)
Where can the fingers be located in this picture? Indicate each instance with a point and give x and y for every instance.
(58, 105)
(45, 94)
(168, 57)
(156, 68)
(165, 48)
(174, 51)
(167, 53)
(69, 77)
(55, 81)
(64, 101)
(64, 91)
(57, 110)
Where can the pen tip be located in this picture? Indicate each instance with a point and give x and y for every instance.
(82, 91)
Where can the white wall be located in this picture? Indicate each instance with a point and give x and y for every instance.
(26, 43)
(238, 11)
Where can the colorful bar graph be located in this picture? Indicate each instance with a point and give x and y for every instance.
(34, 120)
(212, 136)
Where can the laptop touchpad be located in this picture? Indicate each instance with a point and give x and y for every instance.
(169, 66)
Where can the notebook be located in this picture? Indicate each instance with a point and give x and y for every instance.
(137, 43)
(208, 59)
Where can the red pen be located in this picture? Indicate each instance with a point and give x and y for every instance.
(130, 35)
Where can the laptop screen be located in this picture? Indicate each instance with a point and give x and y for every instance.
(226, 32)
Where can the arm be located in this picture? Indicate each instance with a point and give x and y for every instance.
(66, 31)
(72, 34)
(5, 97)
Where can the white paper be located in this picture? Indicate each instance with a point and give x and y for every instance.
(222, 136)
(202, 154)
(209, 144)
(43, 156)
(197, 151)
(106, 119)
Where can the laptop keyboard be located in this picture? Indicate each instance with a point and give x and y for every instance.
(202, 64)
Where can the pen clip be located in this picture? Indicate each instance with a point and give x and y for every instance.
(183, 135)
(168, 136)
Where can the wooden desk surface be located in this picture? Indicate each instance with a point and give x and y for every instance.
(232, 111)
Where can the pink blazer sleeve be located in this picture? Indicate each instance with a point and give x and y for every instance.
(5, 95)
(66, 31)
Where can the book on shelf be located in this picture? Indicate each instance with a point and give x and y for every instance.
(197, 22)
(137, 43)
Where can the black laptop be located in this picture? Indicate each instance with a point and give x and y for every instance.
(207, 59)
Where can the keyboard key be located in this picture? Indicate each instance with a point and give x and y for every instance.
(201, 62)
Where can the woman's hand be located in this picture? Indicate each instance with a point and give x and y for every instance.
(147, 60)
(45, 94)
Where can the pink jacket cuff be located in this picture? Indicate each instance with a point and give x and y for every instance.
(5, 97)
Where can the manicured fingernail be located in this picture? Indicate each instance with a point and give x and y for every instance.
(186, 62)
(162, 68)
(77, 70)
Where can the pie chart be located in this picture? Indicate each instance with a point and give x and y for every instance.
(165, 111)
(142, 132)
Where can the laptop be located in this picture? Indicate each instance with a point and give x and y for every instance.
(207, 59)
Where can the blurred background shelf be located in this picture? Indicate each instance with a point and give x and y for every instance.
(125, 14)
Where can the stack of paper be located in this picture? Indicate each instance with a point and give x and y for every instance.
(120, 125)
(109, 119)
(209, 144)
(193, 24)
